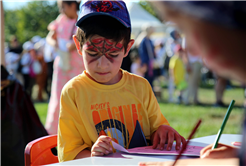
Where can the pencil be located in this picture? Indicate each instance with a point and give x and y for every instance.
(109, 134)
(223, 124)
(188, 140)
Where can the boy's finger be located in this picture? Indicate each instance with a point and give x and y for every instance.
(178, 141)
(163, 139)
(105, 138)
(183, 140)
(105, 145)
(96, 154)
(156, 141)
(170, 140)
(101, 150)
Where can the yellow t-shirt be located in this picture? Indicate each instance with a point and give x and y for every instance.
(89, 108)
(178, 68)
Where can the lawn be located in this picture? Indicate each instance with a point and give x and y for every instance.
(183, 118)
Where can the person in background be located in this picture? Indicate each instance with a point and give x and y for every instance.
(194, 65)
(177, 72)
(27, 60)
(136, 67)
(219, 87)
(147, 52)
(174, 40)
(60, 37)
(41, 77)
(11, 60)
(49, 57)
(217, 32)
(16, 47)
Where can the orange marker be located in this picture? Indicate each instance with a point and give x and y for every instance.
(109, 134)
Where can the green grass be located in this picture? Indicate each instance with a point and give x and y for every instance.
(183, 118)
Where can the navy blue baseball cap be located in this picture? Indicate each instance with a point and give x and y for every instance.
(114, 9)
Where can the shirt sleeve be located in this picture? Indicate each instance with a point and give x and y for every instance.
(70, 140)
(155, 116)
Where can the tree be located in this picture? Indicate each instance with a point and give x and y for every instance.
(146, 5)
(30, 20)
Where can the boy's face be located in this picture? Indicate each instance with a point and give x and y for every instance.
(221, 49)
(103, 58)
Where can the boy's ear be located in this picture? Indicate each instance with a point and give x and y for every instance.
(77, 44)
(129, 46)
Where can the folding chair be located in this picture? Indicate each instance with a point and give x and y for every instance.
(38, 151)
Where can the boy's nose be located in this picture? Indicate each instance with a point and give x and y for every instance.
(103, 62)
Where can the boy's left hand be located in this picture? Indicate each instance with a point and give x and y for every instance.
(166, 134)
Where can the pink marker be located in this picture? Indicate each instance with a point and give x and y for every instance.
(236, 143)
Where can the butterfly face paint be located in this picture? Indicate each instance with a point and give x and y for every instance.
(102, 46)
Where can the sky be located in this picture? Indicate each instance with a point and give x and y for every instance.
(16, 4)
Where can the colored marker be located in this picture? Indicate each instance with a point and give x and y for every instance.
(223, 124)
(188, 140)
(236, 143)
(109, 134)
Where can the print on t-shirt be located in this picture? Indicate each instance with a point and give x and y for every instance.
(121, 120)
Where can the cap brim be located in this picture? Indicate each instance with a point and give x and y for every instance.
(80, 21)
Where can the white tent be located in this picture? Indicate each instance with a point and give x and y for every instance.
(140, 17)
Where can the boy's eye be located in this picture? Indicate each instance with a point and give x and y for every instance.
(114, 56)
(93, 55)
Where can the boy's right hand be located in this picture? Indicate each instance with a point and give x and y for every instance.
(102, 146)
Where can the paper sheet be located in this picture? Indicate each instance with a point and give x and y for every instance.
(190, 150)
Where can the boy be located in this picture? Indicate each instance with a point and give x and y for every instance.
(104, 96)
(217, 32)
(177, 72)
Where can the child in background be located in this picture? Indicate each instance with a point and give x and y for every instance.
(177, 72)
(105, 96)
(60, 37)
(136, 67)
(215, 30)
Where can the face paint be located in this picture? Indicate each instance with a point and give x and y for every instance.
(102, 47)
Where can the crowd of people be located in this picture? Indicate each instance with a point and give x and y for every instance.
(33, 63)
(155, 58)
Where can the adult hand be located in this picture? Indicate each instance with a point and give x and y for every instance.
(102, 146)
(222, 151)
(166, 134)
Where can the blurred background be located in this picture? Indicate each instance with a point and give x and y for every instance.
(27, 21)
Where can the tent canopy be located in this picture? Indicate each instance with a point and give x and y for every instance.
(140, 17)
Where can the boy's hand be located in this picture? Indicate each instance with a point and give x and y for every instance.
(166, 134)
(102, 146)
(222, 151)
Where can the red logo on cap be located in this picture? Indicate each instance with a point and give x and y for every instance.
(104, 6)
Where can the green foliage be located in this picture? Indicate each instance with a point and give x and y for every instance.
(148, 8)
(29, 20)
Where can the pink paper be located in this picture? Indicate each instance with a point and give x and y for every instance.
(190, 150)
